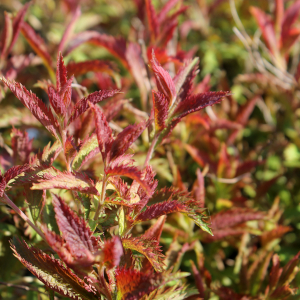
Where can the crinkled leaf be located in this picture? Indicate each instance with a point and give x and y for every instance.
(52, 272)
(161, 110)
(50, 153)
(77, 234)
(148, 247)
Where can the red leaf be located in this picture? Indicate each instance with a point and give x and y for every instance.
(161, 110)
(103, 131)
(111, 252)
(17, 24)
(61, 73)
(37, 44)
(276, 233)
(125, 139)
(56, 102)
(289, 39)
(131, 172)
(266, 26)
(133, 284)
(159, 209)
(116, 46)
(197, 102)
(96, 65)
(34, 104)
(148, 247)
(78, 236)
(275, 272)
(75, 15)
(112, 108)
(290, 17)
(83, 105)
(235, 216)
(66, 180)
(199, 190)
(165, 10)
(21, 146)
(53, 273)
(154, 232)
(198, 280)
(7, 35)
(164, 81)
(152, 20)
(10, 174)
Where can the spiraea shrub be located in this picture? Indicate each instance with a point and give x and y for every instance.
(128, 174)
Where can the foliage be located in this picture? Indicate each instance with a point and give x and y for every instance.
(122, 148)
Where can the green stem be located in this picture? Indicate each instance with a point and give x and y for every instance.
(23, 216)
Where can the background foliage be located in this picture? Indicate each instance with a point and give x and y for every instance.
(240, 159)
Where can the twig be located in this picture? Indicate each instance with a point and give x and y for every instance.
(23, 287)
(151, 150)
(23, 216)
(228, 180)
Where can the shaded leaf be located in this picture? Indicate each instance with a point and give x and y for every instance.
(66, 180)
(52, 272)
(148, 247)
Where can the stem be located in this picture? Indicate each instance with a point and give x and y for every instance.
(151, 150)
(103, 191)
(23, 216)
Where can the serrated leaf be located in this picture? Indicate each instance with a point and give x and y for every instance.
(52, 272)
(125, 139)
(161, 110)
(128, 171)
(164, 81)
(103, 131)
(67, 180)
(88, 149)
(21, 146)
(197, 102)
(111, 252)
(34, 104)
(148, 247)
(83, 105)
(77, 234)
